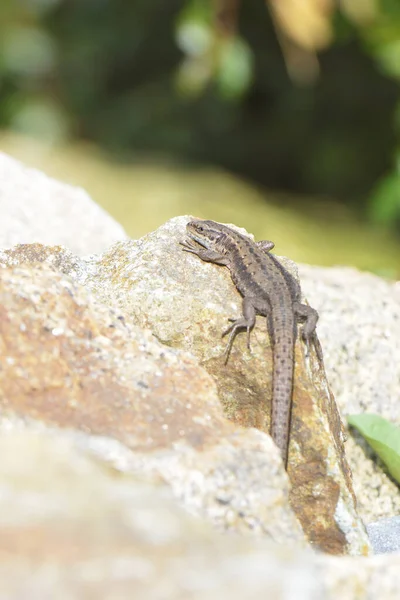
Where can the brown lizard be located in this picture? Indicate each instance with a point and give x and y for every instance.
(268, 289)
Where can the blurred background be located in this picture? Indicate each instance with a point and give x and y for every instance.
(282, 116)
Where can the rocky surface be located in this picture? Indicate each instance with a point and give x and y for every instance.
(36, 208)
(385, 535)
(359, 329)
(363, 356)
(70, 361)
(72, 527)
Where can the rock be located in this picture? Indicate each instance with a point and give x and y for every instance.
(359, 329)
(385, 535)
(74, 363)
(360, 579)
(36, 208)
(186, 306)
(71, 527)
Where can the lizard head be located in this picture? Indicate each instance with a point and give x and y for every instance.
(206, 233)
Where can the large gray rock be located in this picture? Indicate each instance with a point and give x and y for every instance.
(359, 329)
(36, 208)
(385, 535)
(74, 363)
(71, 527)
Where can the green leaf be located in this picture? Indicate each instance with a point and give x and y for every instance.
(383, 437)
(235, 71)
(385, 199)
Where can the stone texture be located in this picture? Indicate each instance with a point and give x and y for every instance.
(36, 208)
(71, 527)
(71, 361)
(359, 329)
(357, 579)
(385, 535)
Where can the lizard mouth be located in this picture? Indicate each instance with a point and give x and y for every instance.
(197, 239)
(191, 232)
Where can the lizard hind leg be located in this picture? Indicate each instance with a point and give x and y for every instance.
(310, 317)
(246, 321)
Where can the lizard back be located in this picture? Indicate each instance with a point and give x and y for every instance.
(258, 275)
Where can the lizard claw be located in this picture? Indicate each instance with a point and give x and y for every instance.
(312, 339)
(318, 349)
(233, 330)
(248, 339)
(189, 246)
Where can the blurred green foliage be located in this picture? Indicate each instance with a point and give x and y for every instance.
(159, 78)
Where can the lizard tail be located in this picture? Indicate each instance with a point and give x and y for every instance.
(282, 386)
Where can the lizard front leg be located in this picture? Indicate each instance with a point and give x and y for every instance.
(204, 253)
(246, 321)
